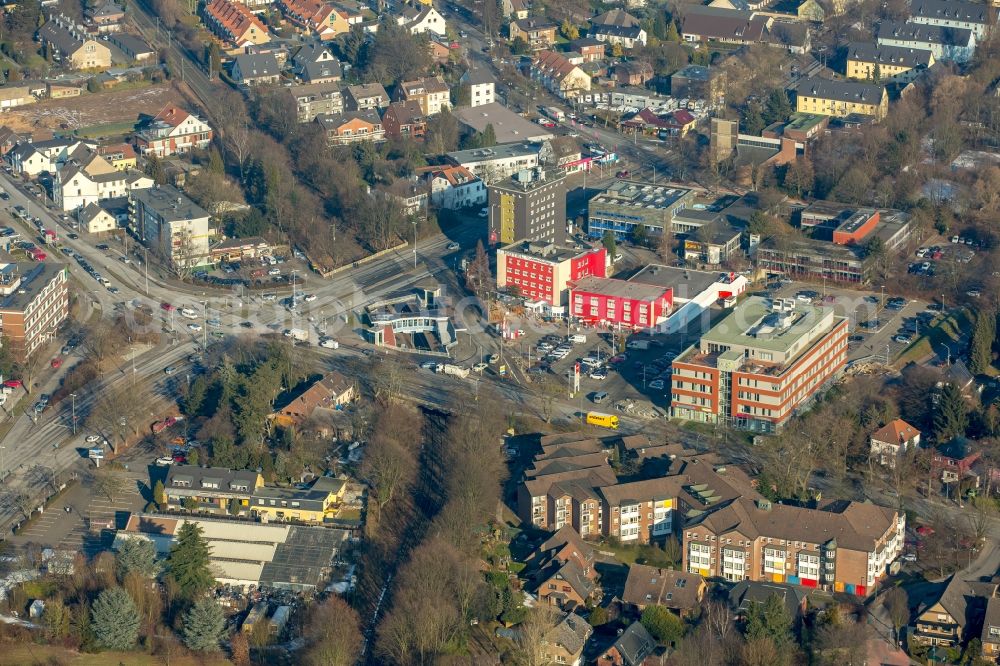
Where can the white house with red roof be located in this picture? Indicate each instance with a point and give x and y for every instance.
(173, 131)
(454, 187)
(889, 441)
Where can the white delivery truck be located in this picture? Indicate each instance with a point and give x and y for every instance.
(189, 313)
(554, 113)
(638, 344)
(455, 370)
(297, 333)
(578, 338)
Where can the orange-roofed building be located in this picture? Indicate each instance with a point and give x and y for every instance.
(173, 131)
(454, 187)
(232, 22)
(889, 441)
(320, 18)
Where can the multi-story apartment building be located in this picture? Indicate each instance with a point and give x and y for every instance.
(235, 24)
(621, 303)
(210, 489)
(481, 84)
(498, 162)
(173, 131)
(430, 92)
(543, 271)
(945, 43)
(404, 120)
(171, 224)
(315, 98)
(351, 127)
(870, 62)
(571, 484)
(366, 97)
(540, 33)
(68, 43)
(840, 546)
(756, 367)
(34, 302)
(530, 205)
(955, 14)
(626, 205)
(841, 98)
(559, 76)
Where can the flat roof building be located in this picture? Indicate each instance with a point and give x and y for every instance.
(759, 365)
(34, 301)
(170, 223)
(626, 205)
(623, 303)
(531, 205)
(288, 557)
(543, 271)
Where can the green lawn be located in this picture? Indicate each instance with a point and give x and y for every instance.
(108, 129)
(940, 332)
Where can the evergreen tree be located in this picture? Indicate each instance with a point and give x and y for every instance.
(753, 120)
(608, 240)
(951, 415)
(769, 620)
(662, 625)
(204, 625)
(777, 108)
(660, 25)
(188, 562)
(759, 223)
(981, 348)
(672, 34)
(160, 494)
(489, 138)
(138, 555)
(877, 74)
(115, 620)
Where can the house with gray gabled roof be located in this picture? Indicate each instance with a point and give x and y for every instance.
(564, 643)
(630, 649)
(256, 70)
(68, 43)
(975, 16)
(945, 43)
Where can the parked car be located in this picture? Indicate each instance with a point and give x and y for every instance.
(194, 327)
(56, 362)
(165, 461)
(656, 384)
(452, 246)
(13, 383)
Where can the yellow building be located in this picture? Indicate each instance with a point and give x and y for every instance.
(121, 156)
(312, 505)
(841, 98)
(871, 62)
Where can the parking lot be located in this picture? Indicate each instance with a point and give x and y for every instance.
(881, 323)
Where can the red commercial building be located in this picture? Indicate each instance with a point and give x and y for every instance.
(607, 301)
(543, 272)
(856, 227)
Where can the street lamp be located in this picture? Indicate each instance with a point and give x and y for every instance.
(881, 303)
(73, 396)
(414, 243)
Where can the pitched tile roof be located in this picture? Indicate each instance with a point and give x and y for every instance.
(851, 91)
(553, 65)
(731, 24)
(571, 633)
(895, 432)
(405, 113)
(647, 586)
(234, 17)
(919, 32)
(634, 645)
(953, 10)
(257, 66)
(888, 55)
(618, 17)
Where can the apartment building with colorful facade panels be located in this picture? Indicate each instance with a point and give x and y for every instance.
(725, 526)
(840, 546)
(760, 364)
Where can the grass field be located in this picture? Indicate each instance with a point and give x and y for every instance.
(27, 654)
(941, 332)
(107, 129)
